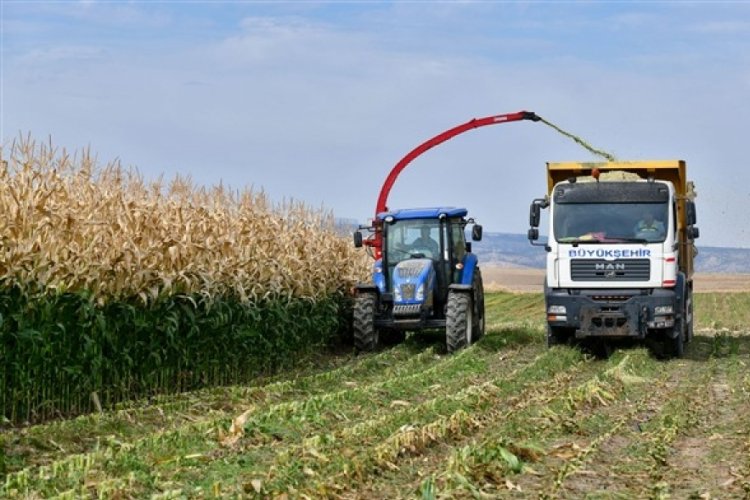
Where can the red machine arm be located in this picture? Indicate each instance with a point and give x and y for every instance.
(377, 241)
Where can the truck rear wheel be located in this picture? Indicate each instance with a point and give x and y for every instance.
(689, 309)
(365, 333)
(478, 288)
(675, 347)
(459, 321)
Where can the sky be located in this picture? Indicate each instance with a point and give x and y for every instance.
(317, 101)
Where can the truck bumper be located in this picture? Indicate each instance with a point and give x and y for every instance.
(628, 313)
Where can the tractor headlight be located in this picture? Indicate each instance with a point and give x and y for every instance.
(663, 310)
(420, 293)
(397, 294)
(557, 310)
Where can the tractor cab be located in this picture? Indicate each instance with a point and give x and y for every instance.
(425, 259)
(428, 244)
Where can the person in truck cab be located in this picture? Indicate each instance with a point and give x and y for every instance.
(649, 228)
(424, 242)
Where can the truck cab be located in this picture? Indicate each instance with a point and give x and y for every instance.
(619, 253)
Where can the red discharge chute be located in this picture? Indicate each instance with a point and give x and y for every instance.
(376, 241)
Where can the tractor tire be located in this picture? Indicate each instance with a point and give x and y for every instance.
(459, 321)
(478, 287)
(366, 336)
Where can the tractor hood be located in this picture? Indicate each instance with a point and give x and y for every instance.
(412, 281)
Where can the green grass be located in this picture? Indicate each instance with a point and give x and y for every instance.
(505, 417)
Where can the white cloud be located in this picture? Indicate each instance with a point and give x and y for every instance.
(321, 112)
(733, 27)
(70, 54)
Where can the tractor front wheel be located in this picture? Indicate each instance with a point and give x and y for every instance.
(365, 333)
(459, 321)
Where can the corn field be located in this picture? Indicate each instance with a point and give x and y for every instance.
(113, 287)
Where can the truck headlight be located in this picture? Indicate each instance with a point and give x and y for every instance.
(663, 310)
(557, 310)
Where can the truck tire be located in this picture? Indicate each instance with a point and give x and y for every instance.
(459, 321)
(557, 335)
(689, 308)
(365, 334)
(675, 347)
(478, 288)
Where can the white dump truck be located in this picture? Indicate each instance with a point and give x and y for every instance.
(619, 253)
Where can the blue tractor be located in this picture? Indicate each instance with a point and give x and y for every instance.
(425, 277)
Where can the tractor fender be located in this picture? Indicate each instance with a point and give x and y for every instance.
(470, 264)
(378, 277)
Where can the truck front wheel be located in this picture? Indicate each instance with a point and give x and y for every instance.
(365, 333)
(459, 321)
(557, 335)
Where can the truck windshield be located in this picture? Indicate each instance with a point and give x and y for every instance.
(413, 238)
(610, 222)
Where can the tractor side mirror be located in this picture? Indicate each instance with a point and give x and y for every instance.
(691, 215)
(476, 233)
(533, 234)
(694, 232)
(357, 239)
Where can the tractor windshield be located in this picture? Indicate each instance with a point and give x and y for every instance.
(610, 222)
(413, 238)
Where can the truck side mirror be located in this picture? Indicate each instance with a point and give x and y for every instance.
(476, 233)
(534, 214)
(690, 212)
(694, 232)
(533, 234)
(357, 239)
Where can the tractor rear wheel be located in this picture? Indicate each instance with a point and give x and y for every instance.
(365, 333)
(459, 321)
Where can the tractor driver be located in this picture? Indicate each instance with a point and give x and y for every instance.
(425, 242)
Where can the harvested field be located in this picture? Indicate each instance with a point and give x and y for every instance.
(506, 417)
(515, 279)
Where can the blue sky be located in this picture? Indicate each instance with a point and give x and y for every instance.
(316, 101)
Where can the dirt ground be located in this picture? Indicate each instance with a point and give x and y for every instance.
(530, 280)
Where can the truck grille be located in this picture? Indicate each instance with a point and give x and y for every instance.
(610, 270)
